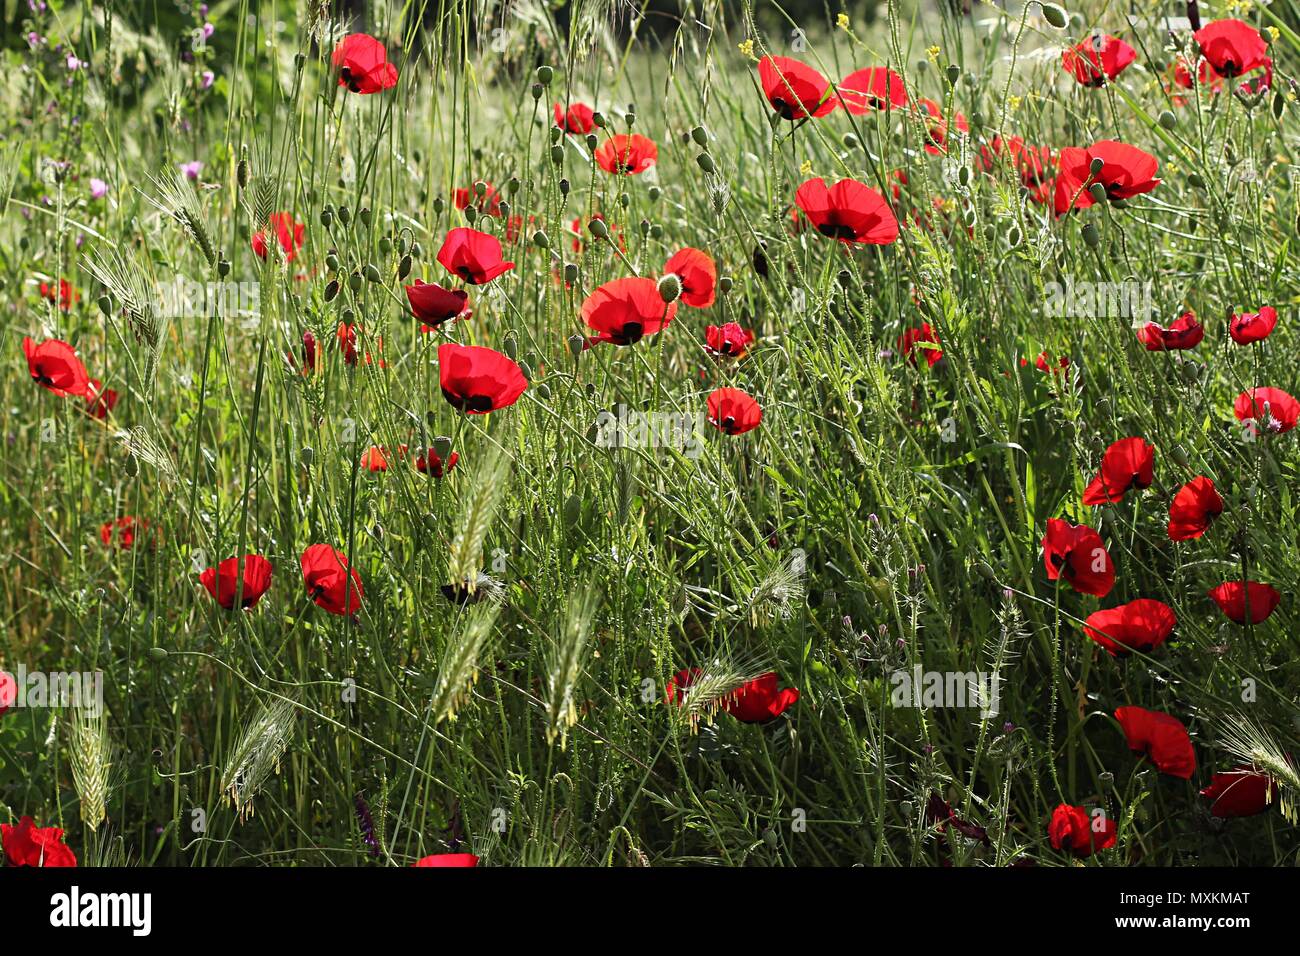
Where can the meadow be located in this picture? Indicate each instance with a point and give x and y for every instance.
(594, 435)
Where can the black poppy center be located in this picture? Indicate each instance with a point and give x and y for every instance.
(783, 108)
(629, 334)
(469, 403)
(837, 230)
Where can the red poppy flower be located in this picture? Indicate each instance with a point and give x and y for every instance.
(1072, 829)
(1206, 75)
(1161, 738)
(1097, 59)
(374, 459)
(625, 310)
(1141, 625)
(489, 202)
(363, 64)
(99, 400)
(937, 126)
(849, 211)
(760, 701)
(8, 692)
(680, 683)
(795, 89)
(448, 859)
(1240, 792)
(627, 154)
(429, 463)
(1233, 597)
(578, 118)
(65, 296)
(474, 256)
(1076, 553)
(29, 845)
(1232, 47)
(330, 582)
(875, 88)
(1035, 164)
(123, 531)
(476, 379)
(55, 367)
(729, 341)
(222, 581)
(1273, 408)
(288, 232)
(1247, 327)
(732, 411)
(1126, 172)
(434, 305)
(1185, 333)
(907, 343)
(1195, 505)
(1127, 463)
(697, 273)
(310, 354)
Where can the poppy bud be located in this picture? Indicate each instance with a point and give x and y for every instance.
(132, 466)
(963, 175)
(630, 119)
(985, 571)
(625, 200)
(540, 240)
(332, 290)
(556, 134)
(1098, 192)
(572, 509)
(401, 244)
(537, 91)
(656, 231)
(759, 260)
(705, 162)
(1091, 234)
(417, 250)
(512, 348)
(241, 173)
(438, 205)
(670, 288)
(326, 217)
(1195, 181)
(354, 281)
(512, 185)
(576, 342)
(645, 228)
(442, 447)
(1095, 167)
(348, 317)
(332, 262)
(364, 216)
(592, 141)
(1179, 455)
(505, 209)
(598, 228)
(1168, 120)
(724, 284)
(564, 187)
(345, 215)
(557, 154)
(1106, 779)
(700, 135)
(1013, 236)
(471, 213)
(372, 272)
(654, 192)
(953, 73)
(570, 273)
(385, 245)
(526, 369)
(306, 455)
(157, 654)
(105, 304)
(1279, 104)
(1055, 15)
(598, 119)
(544, 391)
(404, 267)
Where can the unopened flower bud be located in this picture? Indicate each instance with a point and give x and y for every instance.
(670, 288)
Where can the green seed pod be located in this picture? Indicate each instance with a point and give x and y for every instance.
(364, 216)
(132, 466)
(1091, 234)
(402, 245)
(505, 209)
(985, 571)
(670, 288)
(544, 392)
(223, 268)
(306, 455)
(725, 284)
(654, 192)
(564, 187)
(1095, 167)
(1168, 120)
(570, 273)
(438, 205)
(442, 447)
(598, 228)
(700, 135)
(557, 154)
(953, 73)
(576, 342)
(385, 245)
(417, 250)
(1055, 15)
(537, 91)
(592, 141)
(963, 175)
(326, 217)
(1279, 105)
(1179, 455)
(157, 654)
(471, 213)
(404, 267)
(332, 290)
(630, 119)
(354, 282)
(1013, 236)
(512, 185)
(598, 119)
(332, 262)
(526, 369)
(540, 240)
(1195, 181)
(572, 510)
(656, 231)
(850, 141)
(705, 162)
(372, 273)
(544, 74)
(345, 215)
(512, 348)
(556, 134)
(1098, 192)
(625, 200)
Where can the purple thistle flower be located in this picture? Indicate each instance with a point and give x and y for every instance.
(367, 824)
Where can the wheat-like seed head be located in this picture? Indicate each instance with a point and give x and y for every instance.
(91, 756)
(256, 754)
(565, 665)
(459, 669)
